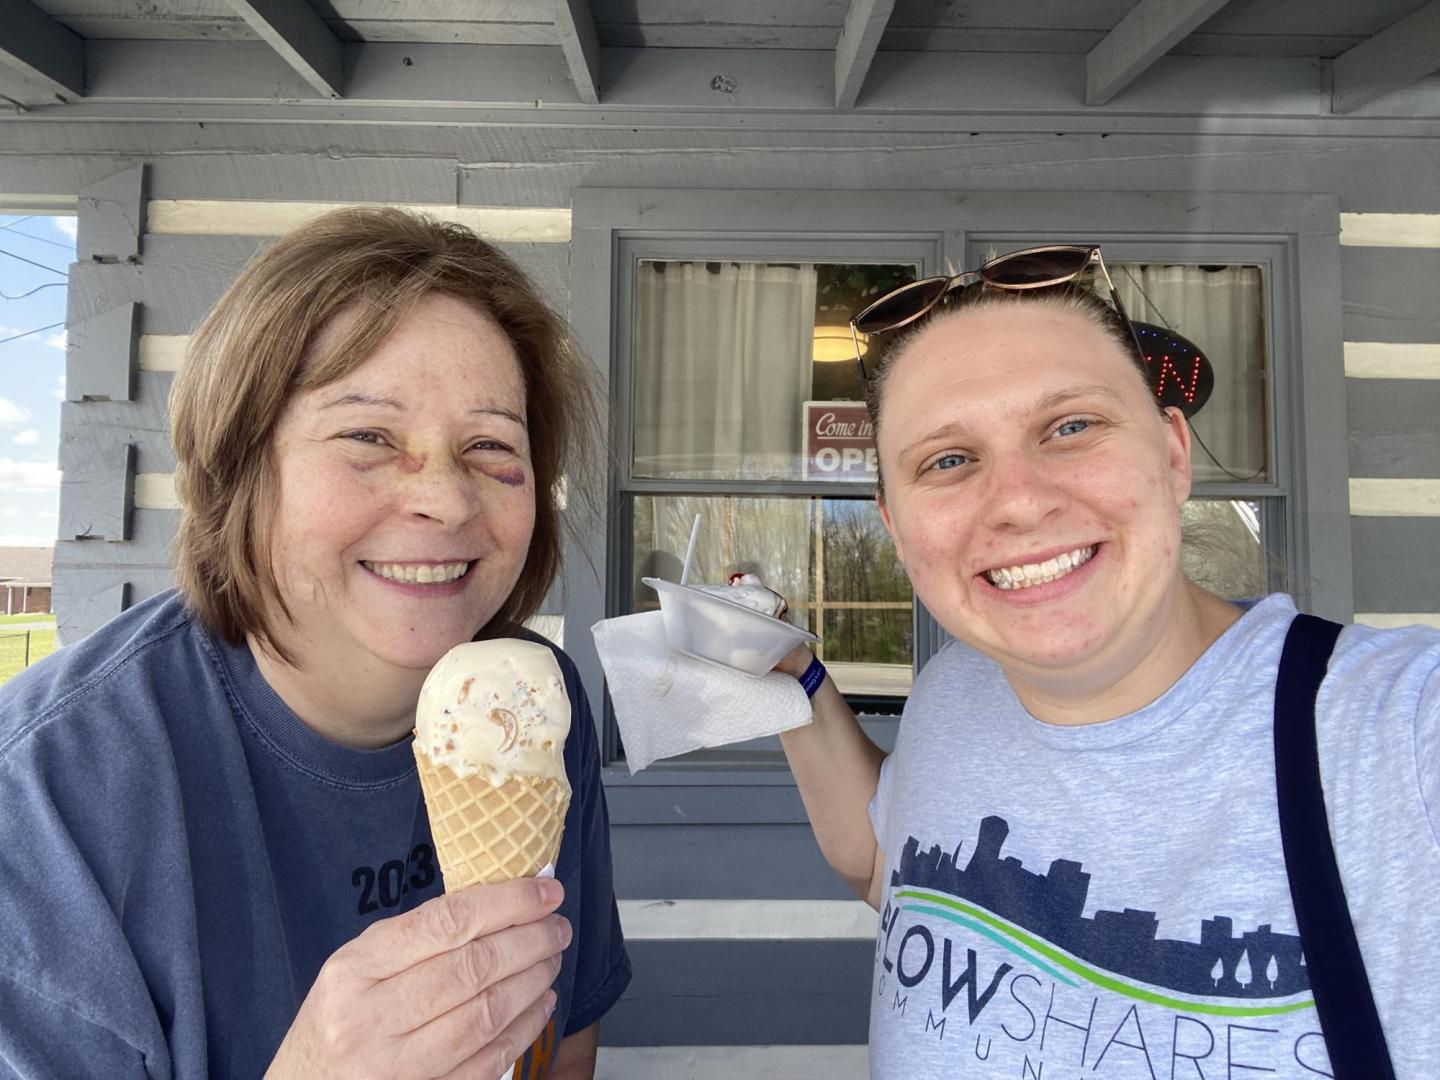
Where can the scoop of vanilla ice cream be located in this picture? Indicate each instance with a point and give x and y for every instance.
(496, 709)
(750, 591)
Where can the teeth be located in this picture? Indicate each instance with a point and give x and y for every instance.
(418, 573)
(1023, 577)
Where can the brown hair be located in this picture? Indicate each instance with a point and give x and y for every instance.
(978, 295)
(252, 354)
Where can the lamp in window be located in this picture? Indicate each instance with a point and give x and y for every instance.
(1180, 374)
(833, 343)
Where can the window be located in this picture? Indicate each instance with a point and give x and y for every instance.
(1269, 525)
(745, 407)
(1232, 546)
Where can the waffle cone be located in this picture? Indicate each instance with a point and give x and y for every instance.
(483, 833)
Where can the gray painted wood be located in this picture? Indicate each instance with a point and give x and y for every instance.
(112, 217)
(96, 492)
(141, 421)
(447, 83)
(1398, 55)
(724, 862)
(540, 165)
(575, 27)
(85, 602)
(744, 993)
(860, 36)
(1316, 454)
(1395, 564)
(1394, 427)
(300, 38)
(1391, 294)
(148, 546)
(1148, 31)
(183, 276)
(86, 598)
(100, 356)
(44, 50)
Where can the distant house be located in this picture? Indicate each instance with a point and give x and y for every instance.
(25, 577)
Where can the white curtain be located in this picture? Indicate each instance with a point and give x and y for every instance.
(723, 355)
(1223, 312)
(722, 364)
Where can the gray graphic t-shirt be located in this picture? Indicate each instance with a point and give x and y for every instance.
(1111, 901)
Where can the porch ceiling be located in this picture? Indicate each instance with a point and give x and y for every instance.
(120, 59)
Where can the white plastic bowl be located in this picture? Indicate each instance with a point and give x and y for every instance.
(709, 627)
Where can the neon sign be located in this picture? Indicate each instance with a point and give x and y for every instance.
(1179, 373)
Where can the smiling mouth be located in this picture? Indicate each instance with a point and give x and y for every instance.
(1028, 575)
(419, 573)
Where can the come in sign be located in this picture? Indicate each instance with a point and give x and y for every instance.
(839, 442)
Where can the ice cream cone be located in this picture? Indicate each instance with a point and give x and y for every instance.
(483, 833)
(490, 734)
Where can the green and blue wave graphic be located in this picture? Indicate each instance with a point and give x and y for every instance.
(1063, 967)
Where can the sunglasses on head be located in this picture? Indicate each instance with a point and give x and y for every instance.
(1032, 268)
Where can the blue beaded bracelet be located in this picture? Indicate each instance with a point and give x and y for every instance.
(813, 677)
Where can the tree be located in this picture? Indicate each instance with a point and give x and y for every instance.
(1217, 972)
(1243, 975)
(1272, 972)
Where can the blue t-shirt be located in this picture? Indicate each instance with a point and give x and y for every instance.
(179, 854)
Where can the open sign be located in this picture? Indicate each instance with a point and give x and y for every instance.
(839, 442)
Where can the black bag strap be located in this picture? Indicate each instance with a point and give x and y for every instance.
(1351, 1026)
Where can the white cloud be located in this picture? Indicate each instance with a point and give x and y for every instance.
(67, 226)
(11, 413)
(60, 388)
(56, 341)
(28, 437)
(26, 540)
(10, 511)
(17, 476)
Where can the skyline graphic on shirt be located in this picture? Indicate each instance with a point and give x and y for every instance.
(1254, 964)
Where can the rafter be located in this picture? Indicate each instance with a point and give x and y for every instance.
(44, 49)
(1397, 56)
(575, 26)
(293, 30)
(1150, 30)
(859, 38)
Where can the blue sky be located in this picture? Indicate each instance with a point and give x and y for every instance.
(32, 374)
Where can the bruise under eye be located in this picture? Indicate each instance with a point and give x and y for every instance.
(508, 477)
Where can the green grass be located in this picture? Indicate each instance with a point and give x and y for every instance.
(7, 620)
(12, 649)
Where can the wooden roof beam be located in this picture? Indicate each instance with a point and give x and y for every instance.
(1150, 30)
(859, 38)
(293, 30)
(1397, 56)
(42, 48)
(575, 26)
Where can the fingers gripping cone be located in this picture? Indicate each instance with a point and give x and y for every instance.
(489, 742)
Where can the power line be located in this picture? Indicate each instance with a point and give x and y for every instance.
(32, 262)
(27, 333)
(32, 236)
(32, 292)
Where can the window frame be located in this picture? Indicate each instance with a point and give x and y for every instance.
(1300, 232)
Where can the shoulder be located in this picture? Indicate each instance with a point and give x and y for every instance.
(109, 674)
(1387, 670)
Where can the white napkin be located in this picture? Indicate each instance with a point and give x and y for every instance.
(667, 703)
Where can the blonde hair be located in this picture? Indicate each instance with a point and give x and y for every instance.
(252, 354)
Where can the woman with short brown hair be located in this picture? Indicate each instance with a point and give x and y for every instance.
(371, 428)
